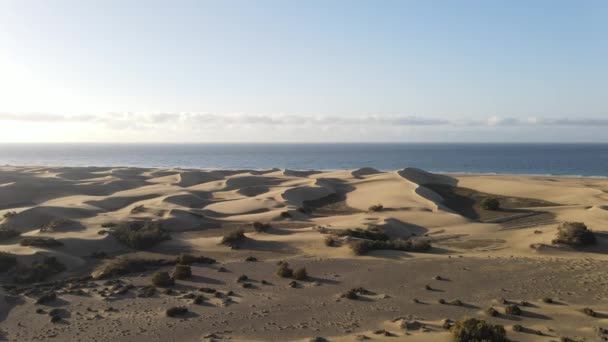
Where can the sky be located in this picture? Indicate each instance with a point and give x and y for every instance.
(303, 71)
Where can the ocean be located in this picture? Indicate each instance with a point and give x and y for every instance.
(531, 159)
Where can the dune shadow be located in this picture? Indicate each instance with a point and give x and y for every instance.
(323, 280)
(529, 314)
(201, 279)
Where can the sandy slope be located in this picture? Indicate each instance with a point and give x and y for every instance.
(482, 261)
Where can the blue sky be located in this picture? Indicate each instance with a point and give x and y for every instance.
(304, 71)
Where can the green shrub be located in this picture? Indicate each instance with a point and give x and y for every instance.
(284, 270)
(39, 270)
(474, 330)
(182, 272)
(40, 241)
(300, 274)
(574, 234)
(140, 235)
(7, 261)
(376, 207)
(124, 265)
(490, 203)
(234, 238)
(368, 234)
(162, 279)
(512, 309)
(261, 227)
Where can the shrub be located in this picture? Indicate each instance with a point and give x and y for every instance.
(109, 225)
(490, 203)
(492, 312)
(7, 261)
(39, 270)
(351, 294)
(305, 210)
(162, 279)
(512, 309)
(234, 238)
(261, 227)
(124, 265)
(376, 207)
(140, 235)
(547, 300)
(474, 330)
(9, 214)
(285, 215)
(300, 274)
(367, 234)
(331, 241)
(188, 259)
(284, 270)
(251, 259)
(518, 328)
(361, 247)
(7, 233)
(40, 241)
(53, 225)
(176, 311)
(575, 234)
(182, 272)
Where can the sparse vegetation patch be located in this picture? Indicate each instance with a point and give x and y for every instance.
(140, 235)
(574, 234)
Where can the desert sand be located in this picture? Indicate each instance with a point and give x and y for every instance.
(479, 259)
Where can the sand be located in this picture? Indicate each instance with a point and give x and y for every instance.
(481, 257)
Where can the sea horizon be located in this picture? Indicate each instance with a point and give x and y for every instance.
(538, 159)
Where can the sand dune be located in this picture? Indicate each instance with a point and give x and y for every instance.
(484, 258)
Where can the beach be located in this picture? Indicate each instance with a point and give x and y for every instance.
(389, 256)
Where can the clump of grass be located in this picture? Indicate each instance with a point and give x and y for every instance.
(300, 274)
(40, 241)
(182, 272)
(512, 309)
(490, 203)
(376, 207)
(162, 279)
(475, 330)
(234, 238)
(284, 270)
(362, 247)
(261, 227)
(7, 261)
(367, 234)
(39, 270)
(574, 234)
(140, 235)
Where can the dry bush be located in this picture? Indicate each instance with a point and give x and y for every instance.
(188, 259)
(234, 238)
(574, 234)
(176, 311)
(475, 330)
(367, 234)
(124, 265)
(331, 241)
(362, 247)
(162, 279)
(284, 270)
(512, 309)
(300, 274)
(182, 272)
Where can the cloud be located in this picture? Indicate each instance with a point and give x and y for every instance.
(130, 120)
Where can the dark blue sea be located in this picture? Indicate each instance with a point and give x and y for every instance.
(542, 159)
